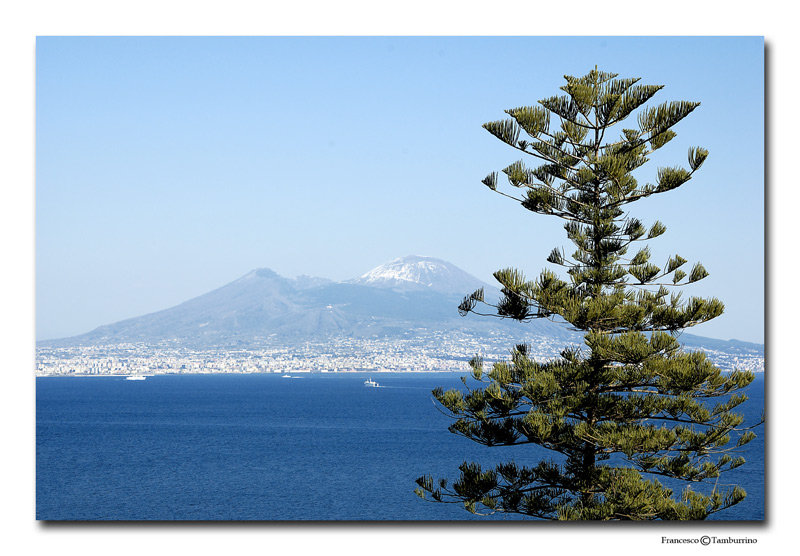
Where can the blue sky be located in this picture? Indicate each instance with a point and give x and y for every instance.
(167, 167)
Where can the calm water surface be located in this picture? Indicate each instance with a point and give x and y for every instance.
(265, 447)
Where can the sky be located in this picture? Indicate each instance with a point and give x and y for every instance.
(170, 166)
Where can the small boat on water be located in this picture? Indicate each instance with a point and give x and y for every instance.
(371, 383)
(135, 377)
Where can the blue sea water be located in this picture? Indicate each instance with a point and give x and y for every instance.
(264, 447)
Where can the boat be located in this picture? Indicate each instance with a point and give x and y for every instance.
(135, 377)
(371, 383)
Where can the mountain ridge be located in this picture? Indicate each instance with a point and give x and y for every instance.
(406, 293)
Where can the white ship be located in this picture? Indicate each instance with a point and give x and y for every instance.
(371, 383)
(135, 377)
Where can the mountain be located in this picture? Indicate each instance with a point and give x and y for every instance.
(409, 296)
(415, 273)
(407, 293)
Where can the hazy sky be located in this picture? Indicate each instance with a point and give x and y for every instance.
(167, 167)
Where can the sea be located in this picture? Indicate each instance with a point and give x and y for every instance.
(266, 447)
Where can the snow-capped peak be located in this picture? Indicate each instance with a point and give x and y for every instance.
(420, 273)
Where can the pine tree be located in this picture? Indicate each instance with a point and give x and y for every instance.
(628, 416)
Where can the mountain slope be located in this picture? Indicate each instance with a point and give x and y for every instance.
(407, 294)
(250, 302)
(403, 294)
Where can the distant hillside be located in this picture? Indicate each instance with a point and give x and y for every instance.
(403, 294)
(406, 293)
